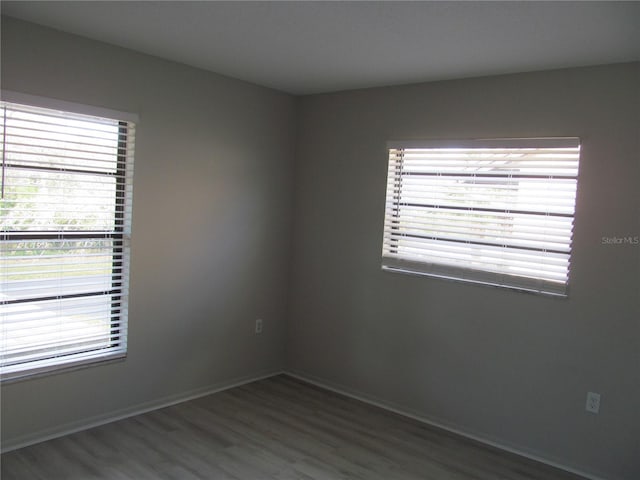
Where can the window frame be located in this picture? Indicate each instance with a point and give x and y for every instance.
(119, 235)
(393, 260)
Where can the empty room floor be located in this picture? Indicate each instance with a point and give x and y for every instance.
(278, 428)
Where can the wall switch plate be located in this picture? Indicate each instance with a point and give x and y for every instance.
(258, 325)
(593, 402)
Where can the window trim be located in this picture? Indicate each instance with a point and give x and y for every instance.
(459, 273)
(12, 96)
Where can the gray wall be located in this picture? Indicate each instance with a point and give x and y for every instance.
(509, 367)
(211, 226)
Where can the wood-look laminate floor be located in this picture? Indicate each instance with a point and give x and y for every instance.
(278, 428)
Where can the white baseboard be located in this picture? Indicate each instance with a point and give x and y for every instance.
(95, 421)
(420, 417)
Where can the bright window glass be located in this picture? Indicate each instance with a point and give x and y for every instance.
(65, 226)
(498, 212)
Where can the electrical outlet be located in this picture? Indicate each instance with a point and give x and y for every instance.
(258, 325)
(593, 402)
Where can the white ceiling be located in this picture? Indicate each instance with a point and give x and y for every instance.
(310, 47)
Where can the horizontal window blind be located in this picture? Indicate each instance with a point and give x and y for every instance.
(498, 212)
(65, 222)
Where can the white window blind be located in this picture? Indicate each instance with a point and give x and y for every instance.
(498, 212)
(65, 225)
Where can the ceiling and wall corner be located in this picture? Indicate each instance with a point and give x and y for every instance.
(313, 47)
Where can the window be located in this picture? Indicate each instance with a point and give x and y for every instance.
(65, 223)
(496, 212)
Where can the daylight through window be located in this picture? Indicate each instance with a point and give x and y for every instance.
(65, 223)
(498, 212)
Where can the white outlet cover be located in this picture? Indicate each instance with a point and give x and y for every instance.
(593, 402)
